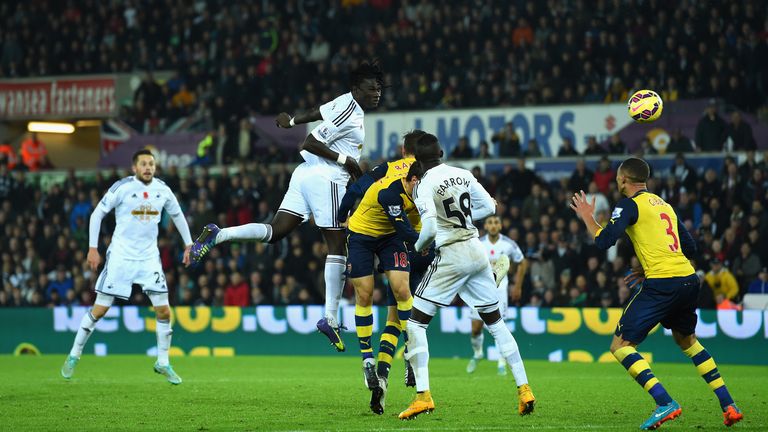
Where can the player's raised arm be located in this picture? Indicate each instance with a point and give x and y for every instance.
(686, 240)
(483, 205)
(358, 188)
(284, 120)
(174, 211)
(425, 204)
(392, 203)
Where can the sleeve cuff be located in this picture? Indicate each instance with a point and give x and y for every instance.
(597, 233)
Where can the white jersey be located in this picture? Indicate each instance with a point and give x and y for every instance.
(454, 197)
(343, 131)
(503, 246)
(137, 212)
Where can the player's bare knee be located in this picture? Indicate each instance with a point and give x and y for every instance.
(477, 327)
(98, 311)
(618, 342)
(491, 317)
(682, 340)
(163, 313)
(420, 317)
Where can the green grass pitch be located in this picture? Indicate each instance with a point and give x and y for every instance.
(327, 393)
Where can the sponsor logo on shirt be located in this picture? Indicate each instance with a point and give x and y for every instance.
(616, 213)
(145, 213)
(395, 210)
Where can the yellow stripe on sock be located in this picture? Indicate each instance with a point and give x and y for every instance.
(706, 367)
(363, 310)
(716, 384)
(389, 338)
(638, 367)
(385, 358)
(364, 331)
(694, 349)
(395, 324)
(367, 350)
(405, 304)
(651, 382)
(622, 353)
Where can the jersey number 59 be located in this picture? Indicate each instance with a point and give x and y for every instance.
(464, 205)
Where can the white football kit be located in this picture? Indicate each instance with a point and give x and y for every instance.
(133, 256)
(453, 198)
(318, 184)
(503, 246)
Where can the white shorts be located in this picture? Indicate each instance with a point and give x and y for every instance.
(503, 294)
(119, 275)
(460, 268)
(312, 194)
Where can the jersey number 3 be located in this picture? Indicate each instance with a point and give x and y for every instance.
(671, 232)
(464, 205)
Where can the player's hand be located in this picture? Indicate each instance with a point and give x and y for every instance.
(516, 293)
(185, 260)
(283, 120)
(635, 278)
(93, 258)
(583, 208)
(353, 168)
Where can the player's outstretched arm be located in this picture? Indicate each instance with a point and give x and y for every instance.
(483, 204)
(517, 290)
(94, 228)
(318, 148)
(358, 189)
(180, 222)
(392, 203)
(284, 120)
(686, 240)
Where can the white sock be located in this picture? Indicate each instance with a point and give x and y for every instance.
(509, 350)
(164, 333)
(418, 354)
(252, 231)
(477, 345)
(335, 265)
(502, 362)
(83, 333)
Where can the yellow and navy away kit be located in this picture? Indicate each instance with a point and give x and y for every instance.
(387, 209)
(357, 189)
(662, 244)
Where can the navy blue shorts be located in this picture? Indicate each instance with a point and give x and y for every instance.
(361, 249)
(669, 301)
(419, 265)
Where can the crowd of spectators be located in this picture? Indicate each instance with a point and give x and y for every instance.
(232, 58)
(44, 235)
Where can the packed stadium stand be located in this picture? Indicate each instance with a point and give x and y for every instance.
(233, 59)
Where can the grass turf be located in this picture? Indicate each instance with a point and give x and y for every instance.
(327, 393)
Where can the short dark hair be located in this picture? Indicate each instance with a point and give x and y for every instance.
(415, 170)
(366, 70)
(143, 151)
(427, 148)
(409, 140)
(636, 170)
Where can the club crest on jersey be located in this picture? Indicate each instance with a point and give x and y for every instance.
(324, 132)
(395, 210)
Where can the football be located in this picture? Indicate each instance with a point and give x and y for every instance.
(645, 106)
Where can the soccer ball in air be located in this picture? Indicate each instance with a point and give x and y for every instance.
(645, 106)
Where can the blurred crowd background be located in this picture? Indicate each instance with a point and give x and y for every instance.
(232, 60)
(45, 234)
